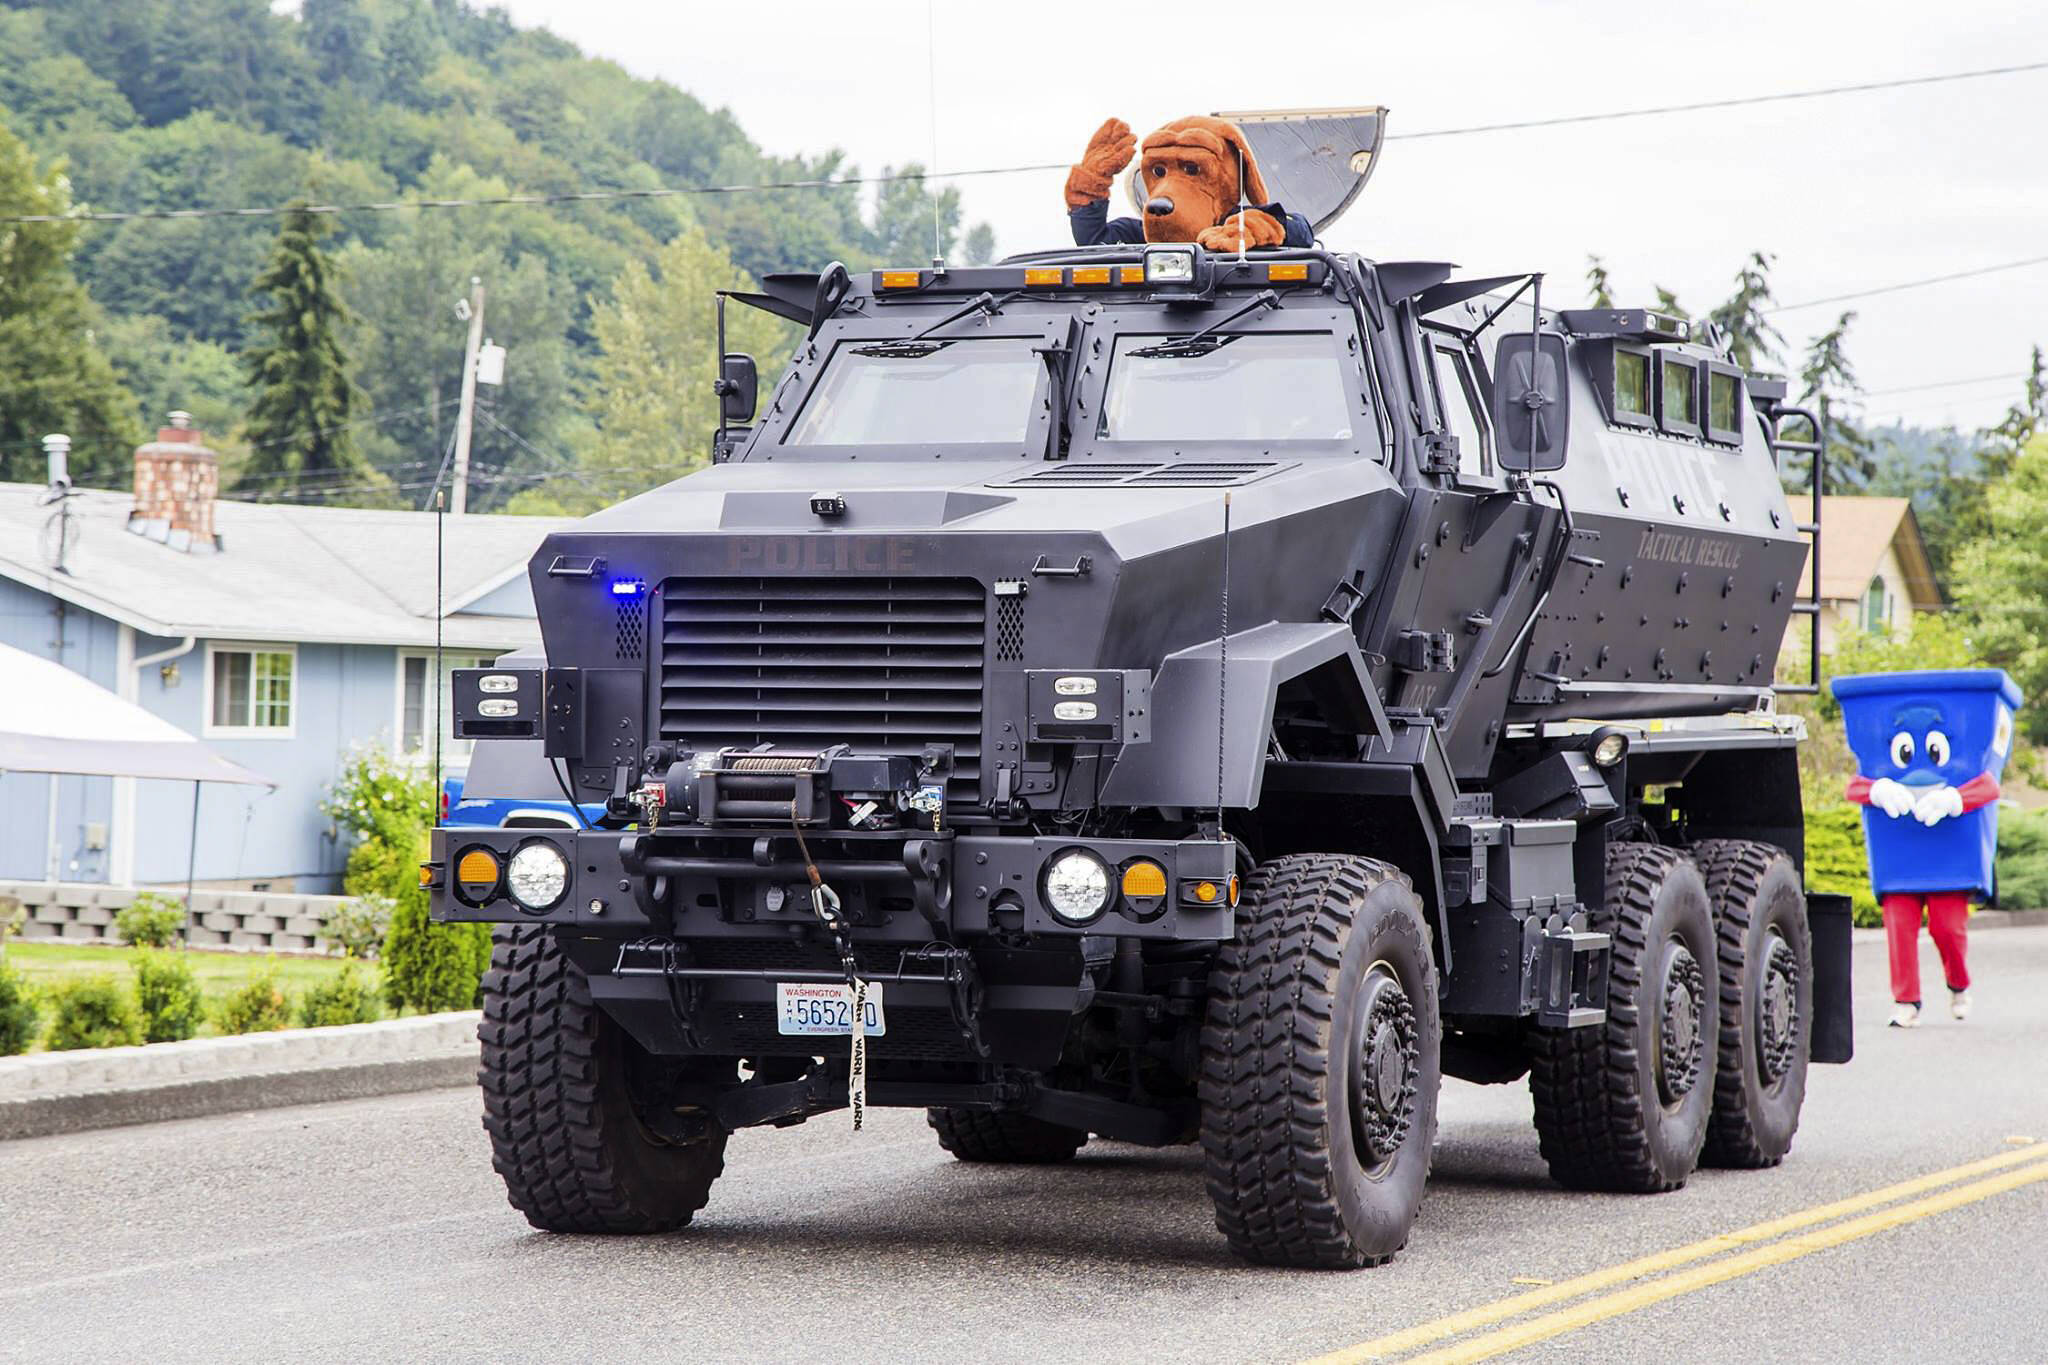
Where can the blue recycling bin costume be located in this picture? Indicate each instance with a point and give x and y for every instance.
(1929, 747)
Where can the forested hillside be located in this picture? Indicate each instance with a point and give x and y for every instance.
(604, 308)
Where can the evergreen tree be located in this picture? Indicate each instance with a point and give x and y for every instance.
(1828, 387)
(297, 428)
(1744, 321)
(2001, 578)
(53, 376)
(1599, 290)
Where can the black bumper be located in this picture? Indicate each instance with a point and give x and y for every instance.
(900, 888)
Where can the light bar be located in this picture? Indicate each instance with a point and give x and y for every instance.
(1093, 274)
(1044, 276)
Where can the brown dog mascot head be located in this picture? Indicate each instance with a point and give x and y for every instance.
(1189, 172)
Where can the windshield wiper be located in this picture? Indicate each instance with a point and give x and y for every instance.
(1206, 340)
(912, 348)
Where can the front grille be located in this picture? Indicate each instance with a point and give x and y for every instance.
(888, 665)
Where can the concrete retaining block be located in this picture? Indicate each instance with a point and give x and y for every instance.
(84, 912)
(68, 1092)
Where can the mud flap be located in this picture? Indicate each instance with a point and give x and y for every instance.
(1829, 918)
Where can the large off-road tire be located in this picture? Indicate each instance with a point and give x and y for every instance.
(1013, 1139)
(1623, 1105)
(559, 1108)
(1320, 1064)
(1766, 1014)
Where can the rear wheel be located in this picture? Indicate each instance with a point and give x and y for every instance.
(1320, 1065)
(1015, 1139)
(558, 1104)
(1766, 1001)
(1623, 1105)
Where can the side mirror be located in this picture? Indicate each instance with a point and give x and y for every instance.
(1531, 410)
(738, 387)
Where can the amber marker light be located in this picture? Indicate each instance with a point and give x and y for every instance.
(1207, 892)
(1144, 880)
(1091, 274)
(1281, 271)
(1044, 276)
(1130, 274)
(901, 279)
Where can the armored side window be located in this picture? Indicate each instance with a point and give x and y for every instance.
(1678, 394)
(1724, 402)
(1631, 400)
(1458, 400)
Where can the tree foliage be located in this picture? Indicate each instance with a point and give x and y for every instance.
(53, 375)
(2001, 578)
(299, 420)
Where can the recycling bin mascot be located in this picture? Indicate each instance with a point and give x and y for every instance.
(1929, 750)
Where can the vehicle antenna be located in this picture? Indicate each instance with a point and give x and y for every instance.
(1223, 669)
(1240, 259)
(931, 92)
(440, 508)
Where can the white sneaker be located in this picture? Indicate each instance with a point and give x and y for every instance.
(1905, 1016)
(1959, 1004)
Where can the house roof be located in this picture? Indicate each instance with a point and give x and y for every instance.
(1855, 532)
(285, 572)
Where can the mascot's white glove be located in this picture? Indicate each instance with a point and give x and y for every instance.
(1937, 804)
(1893, 798)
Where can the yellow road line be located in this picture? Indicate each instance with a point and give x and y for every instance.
(1716, 1272)
(1515, 1305)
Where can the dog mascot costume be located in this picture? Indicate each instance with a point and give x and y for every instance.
(1195, 173)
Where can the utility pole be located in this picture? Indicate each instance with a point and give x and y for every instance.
(466, 413)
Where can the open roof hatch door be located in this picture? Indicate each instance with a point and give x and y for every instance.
(1315, 161)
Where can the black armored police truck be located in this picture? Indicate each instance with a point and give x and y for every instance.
(1176, 698)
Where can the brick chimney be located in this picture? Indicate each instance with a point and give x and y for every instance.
(177, 479)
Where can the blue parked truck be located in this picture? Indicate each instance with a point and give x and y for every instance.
(1173, 697)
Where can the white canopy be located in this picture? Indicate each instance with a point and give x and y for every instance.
(55, 721)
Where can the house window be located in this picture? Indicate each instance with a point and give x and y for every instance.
(249, 691)
(1877, 614)
(416, 702)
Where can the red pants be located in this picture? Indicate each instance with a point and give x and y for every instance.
(1947, 914)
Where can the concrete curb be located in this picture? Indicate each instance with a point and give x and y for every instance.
(2008, 919)
(70, 1092)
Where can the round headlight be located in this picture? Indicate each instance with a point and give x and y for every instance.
(1609, 748)
(537, 876)
(1077, 886)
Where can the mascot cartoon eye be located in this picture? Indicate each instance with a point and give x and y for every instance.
(1189, 168)
(1902, 749)
(1937, 748)
(1158, 170)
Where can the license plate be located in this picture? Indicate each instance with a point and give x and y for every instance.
(809, 1009)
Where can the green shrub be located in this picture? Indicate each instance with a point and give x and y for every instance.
(93, 1011)
(260, 1006)
(358, 927)
(154, 920)
(345, 998)
(431, 967)
(1835, 858)
(2022, 858)
(20, 1016)
(168, 995)
(389, 806)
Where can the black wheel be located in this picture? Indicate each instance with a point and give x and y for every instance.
(1320, 1065)
(558, 1104)
(1016, 1139)
(1766, 1015)
(1623, 1105)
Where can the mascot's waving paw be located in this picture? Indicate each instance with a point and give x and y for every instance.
(1109, 151)
(1249, 228)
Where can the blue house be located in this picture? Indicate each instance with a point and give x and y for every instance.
(284, 635)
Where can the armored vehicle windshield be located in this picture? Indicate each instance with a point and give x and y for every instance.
(977, 391)
(1243, 386)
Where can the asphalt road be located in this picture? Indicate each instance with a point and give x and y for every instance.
(375, 1230)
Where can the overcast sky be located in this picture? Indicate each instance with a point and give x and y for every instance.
(1849, 192)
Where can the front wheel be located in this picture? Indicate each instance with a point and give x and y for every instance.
(558, 1104)
(1320, 1065)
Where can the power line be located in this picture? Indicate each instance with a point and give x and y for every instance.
(1911, 284)
(1732, 103)
(1945, 384)
(599, 196)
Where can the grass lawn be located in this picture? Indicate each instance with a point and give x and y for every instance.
(219, 973)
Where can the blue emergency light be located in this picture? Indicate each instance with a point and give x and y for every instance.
(627, 587)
